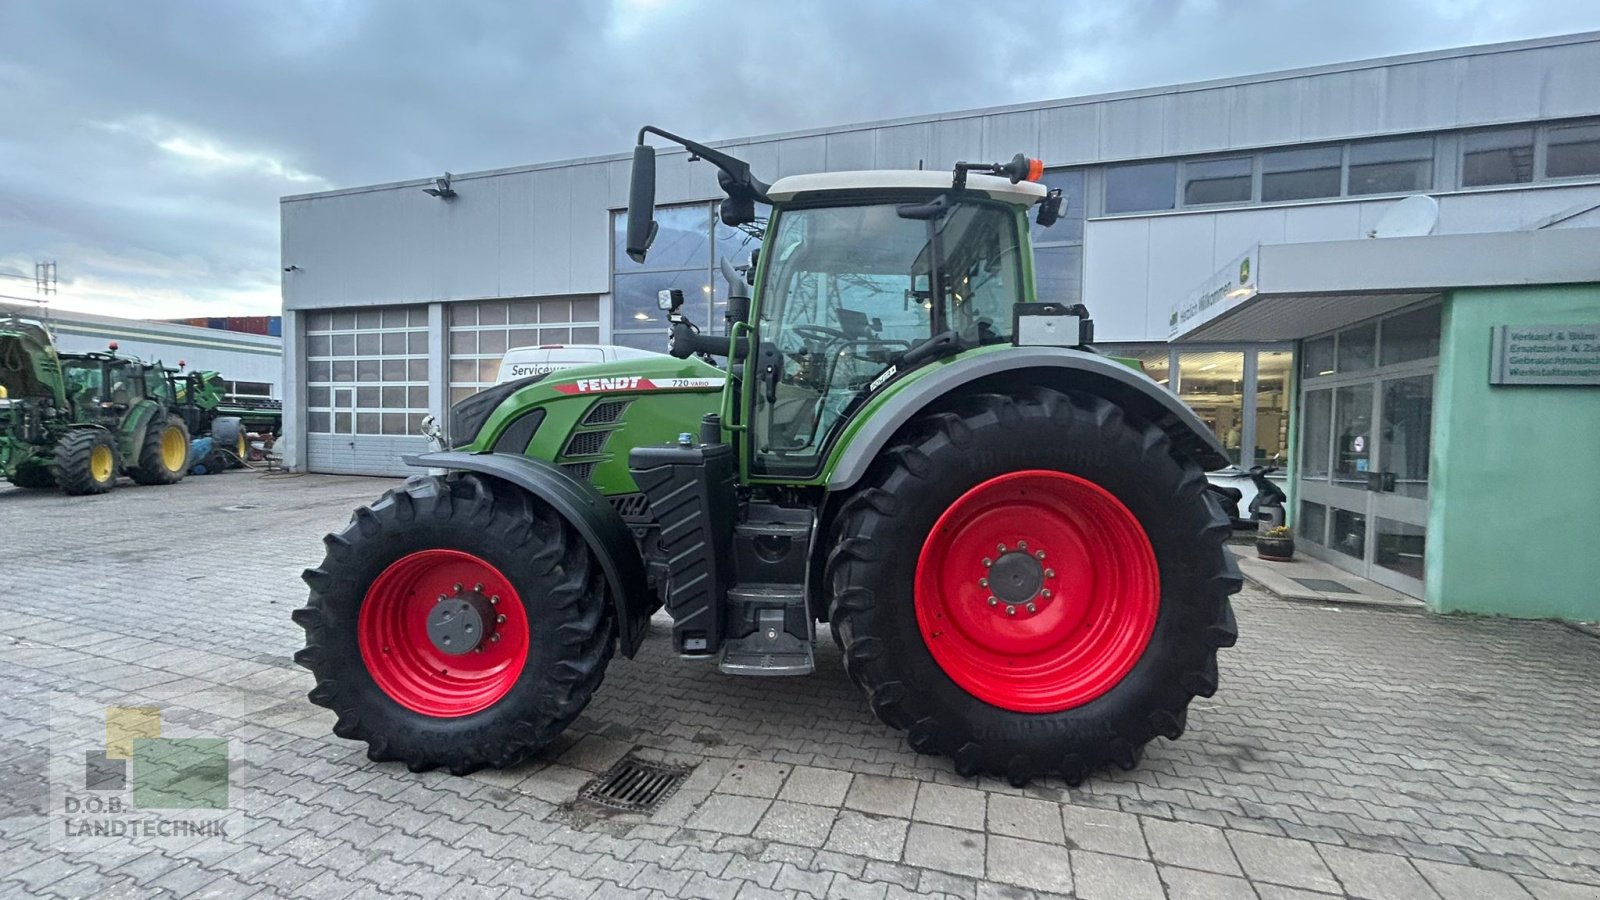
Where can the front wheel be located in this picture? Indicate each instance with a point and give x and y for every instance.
(163, 453)
(457, 622)
(1032, 583)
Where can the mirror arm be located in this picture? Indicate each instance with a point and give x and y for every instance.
(738, 171)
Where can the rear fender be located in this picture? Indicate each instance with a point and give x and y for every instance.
(1067, 370)
(589, 512)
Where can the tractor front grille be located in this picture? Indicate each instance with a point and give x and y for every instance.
(605, 412)
(580, 471)
(586, 443)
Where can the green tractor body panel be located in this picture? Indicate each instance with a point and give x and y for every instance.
(590, 416)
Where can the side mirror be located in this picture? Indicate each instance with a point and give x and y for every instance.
(1051, 208)
(641, 203)
(755, 260)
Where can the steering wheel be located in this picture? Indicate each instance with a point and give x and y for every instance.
(822, 334)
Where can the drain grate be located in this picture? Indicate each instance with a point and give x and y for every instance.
(634, 785)
(1326, 585)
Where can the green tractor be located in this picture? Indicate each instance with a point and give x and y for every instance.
(207, 408)
(75, 420)
(1009, 534)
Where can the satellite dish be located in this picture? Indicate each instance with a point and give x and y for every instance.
(1411, 217)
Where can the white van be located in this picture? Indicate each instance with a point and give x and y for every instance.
(521, 362)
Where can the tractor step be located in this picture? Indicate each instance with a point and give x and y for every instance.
(778, 636)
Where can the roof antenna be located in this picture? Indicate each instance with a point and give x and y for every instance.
(919, 165)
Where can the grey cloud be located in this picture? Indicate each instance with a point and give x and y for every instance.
(145, 145)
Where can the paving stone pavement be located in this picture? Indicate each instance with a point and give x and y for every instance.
(1350, 752)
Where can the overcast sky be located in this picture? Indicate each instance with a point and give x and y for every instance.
(144, 145)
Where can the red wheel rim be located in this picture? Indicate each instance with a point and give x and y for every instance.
(401, 657)
(1037, 591)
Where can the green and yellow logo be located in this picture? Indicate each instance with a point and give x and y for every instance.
(1244, 270)
(165, 773)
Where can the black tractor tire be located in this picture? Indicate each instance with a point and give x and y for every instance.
(81, 465)
(157, 463)
(227, 433)
(879, 533)
(571, 625)
(34, 476)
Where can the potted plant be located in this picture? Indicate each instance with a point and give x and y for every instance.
(1276, 544)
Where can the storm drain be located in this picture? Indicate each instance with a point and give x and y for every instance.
(634, 786)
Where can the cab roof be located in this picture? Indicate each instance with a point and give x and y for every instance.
(1023, 193)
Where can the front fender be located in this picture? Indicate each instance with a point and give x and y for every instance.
(1004, 367)
(590, 513)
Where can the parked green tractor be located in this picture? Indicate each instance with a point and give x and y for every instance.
(1008, 533)
(75, 420)
(209, 410)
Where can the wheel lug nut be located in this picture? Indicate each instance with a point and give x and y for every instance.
(983, 582)
(1011, 610)
(478, 588)
(1002, 548)
(495, 599)
(458, 587)
(987, 562)
(1049, 573)
(440, 600)
(1022, 545)
(1038, 554)
(994, 601)
(494, 637)
(1046, 593)
(499, 619)
(1032, 608)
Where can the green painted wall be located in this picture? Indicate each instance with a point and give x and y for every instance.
(1514, 523)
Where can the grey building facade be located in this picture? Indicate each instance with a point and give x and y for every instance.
(397, 303)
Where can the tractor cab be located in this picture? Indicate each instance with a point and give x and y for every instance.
(863, 277)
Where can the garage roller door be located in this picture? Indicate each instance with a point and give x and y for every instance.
(366, 389)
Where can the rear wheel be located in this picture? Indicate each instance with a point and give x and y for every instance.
(164, 452)
(86, 461)
(1032, 584)
(457, 622)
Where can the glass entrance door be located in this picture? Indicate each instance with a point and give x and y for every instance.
(1367, 416)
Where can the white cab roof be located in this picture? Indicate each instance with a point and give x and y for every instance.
(1023, 193)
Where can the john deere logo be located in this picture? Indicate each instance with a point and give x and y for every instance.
(1244, 270)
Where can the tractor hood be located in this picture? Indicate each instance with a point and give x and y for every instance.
(29, 366)
(585, 418)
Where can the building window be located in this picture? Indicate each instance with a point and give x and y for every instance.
(482, 333)
(1313, 522)
(1411, 335)
(249, 389)
(1300, 174)
(1145, 187)
(1572, 151)
(691, 241)
(1211, 382)
(1217, 181)
(1272, 407)
(1391, 167)
(367, 371)
(1497, 157)
(1058, 250)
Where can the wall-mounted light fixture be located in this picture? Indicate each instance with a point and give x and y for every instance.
(441, 188)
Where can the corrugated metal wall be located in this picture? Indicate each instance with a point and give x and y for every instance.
(544, 230)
